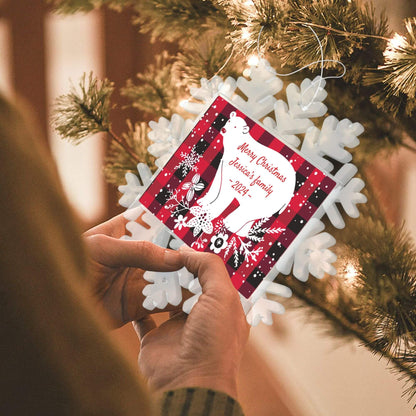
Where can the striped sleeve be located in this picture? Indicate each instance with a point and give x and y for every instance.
(198, 402)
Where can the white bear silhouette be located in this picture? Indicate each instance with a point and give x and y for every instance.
(261, 179)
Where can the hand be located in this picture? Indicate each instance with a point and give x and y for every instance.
(117, 268)
(205, 348)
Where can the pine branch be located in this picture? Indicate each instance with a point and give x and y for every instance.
(204, 57)
(75, 6)
(400, 62)
(118, 161)
(330, 29)
(72, 6)
(338, 325)
(85, 111)
(177, 20)
(159, 90)
(396, 78)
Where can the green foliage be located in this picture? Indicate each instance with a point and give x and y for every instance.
(270, 18)
(177, 20)
(385, 283)
(400, 62)
(396, 78)
(84, 110)
(372, 297)
(74, 6)
(159, 89)
(204, 57)
(118, 161)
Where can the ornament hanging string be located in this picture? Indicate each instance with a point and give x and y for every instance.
(320, 61)
(224, 64)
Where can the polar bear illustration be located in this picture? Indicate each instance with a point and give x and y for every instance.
(261, 179)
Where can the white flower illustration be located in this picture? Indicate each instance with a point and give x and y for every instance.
(193, 186)
(218, 242)
(180, 222)
(201, 222)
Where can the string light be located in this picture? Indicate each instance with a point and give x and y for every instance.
(350, 273)
(398, 41)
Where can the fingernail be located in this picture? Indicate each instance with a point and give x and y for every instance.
(172, 258)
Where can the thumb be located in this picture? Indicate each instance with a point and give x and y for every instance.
(209, 268)
(145, 255)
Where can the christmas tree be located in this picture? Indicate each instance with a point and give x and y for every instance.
(215, 37)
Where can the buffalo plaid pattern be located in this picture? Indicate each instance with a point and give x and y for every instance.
(311, 189)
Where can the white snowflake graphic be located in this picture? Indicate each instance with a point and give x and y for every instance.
(189, 161)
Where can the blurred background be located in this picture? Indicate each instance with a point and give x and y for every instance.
(40, 52)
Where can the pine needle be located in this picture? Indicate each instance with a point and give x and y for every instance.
(84, 110)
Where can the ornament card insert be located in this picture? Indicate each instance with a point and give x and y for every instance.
(234, 189)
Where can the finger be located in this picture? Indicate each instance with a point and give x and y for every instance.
(209, 268)
(123, 253)
(143, 326)
(177, 314)
(114, 227)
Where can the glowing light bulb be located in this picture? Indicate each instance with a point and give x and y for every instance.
(397, 41)
(253, 60)
(183, 103)
(350, 273)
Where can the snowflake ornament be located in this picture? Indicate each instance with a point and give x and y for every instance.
(166, 137)
(291, 121)
(209, 89)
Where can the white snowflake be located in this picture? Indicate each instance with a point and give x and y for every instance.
(167, 136)
(308, 253)
(208, 90)
(259, 90)
(135, 186)
(189, 161)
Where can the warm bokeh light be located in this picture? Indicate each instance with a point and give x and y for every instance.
(245, 33)
(398, 41)
(253, 60)
(350, 273)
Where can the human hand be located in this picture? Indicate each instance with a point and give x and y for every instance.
(117, 268)
(205, 348)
